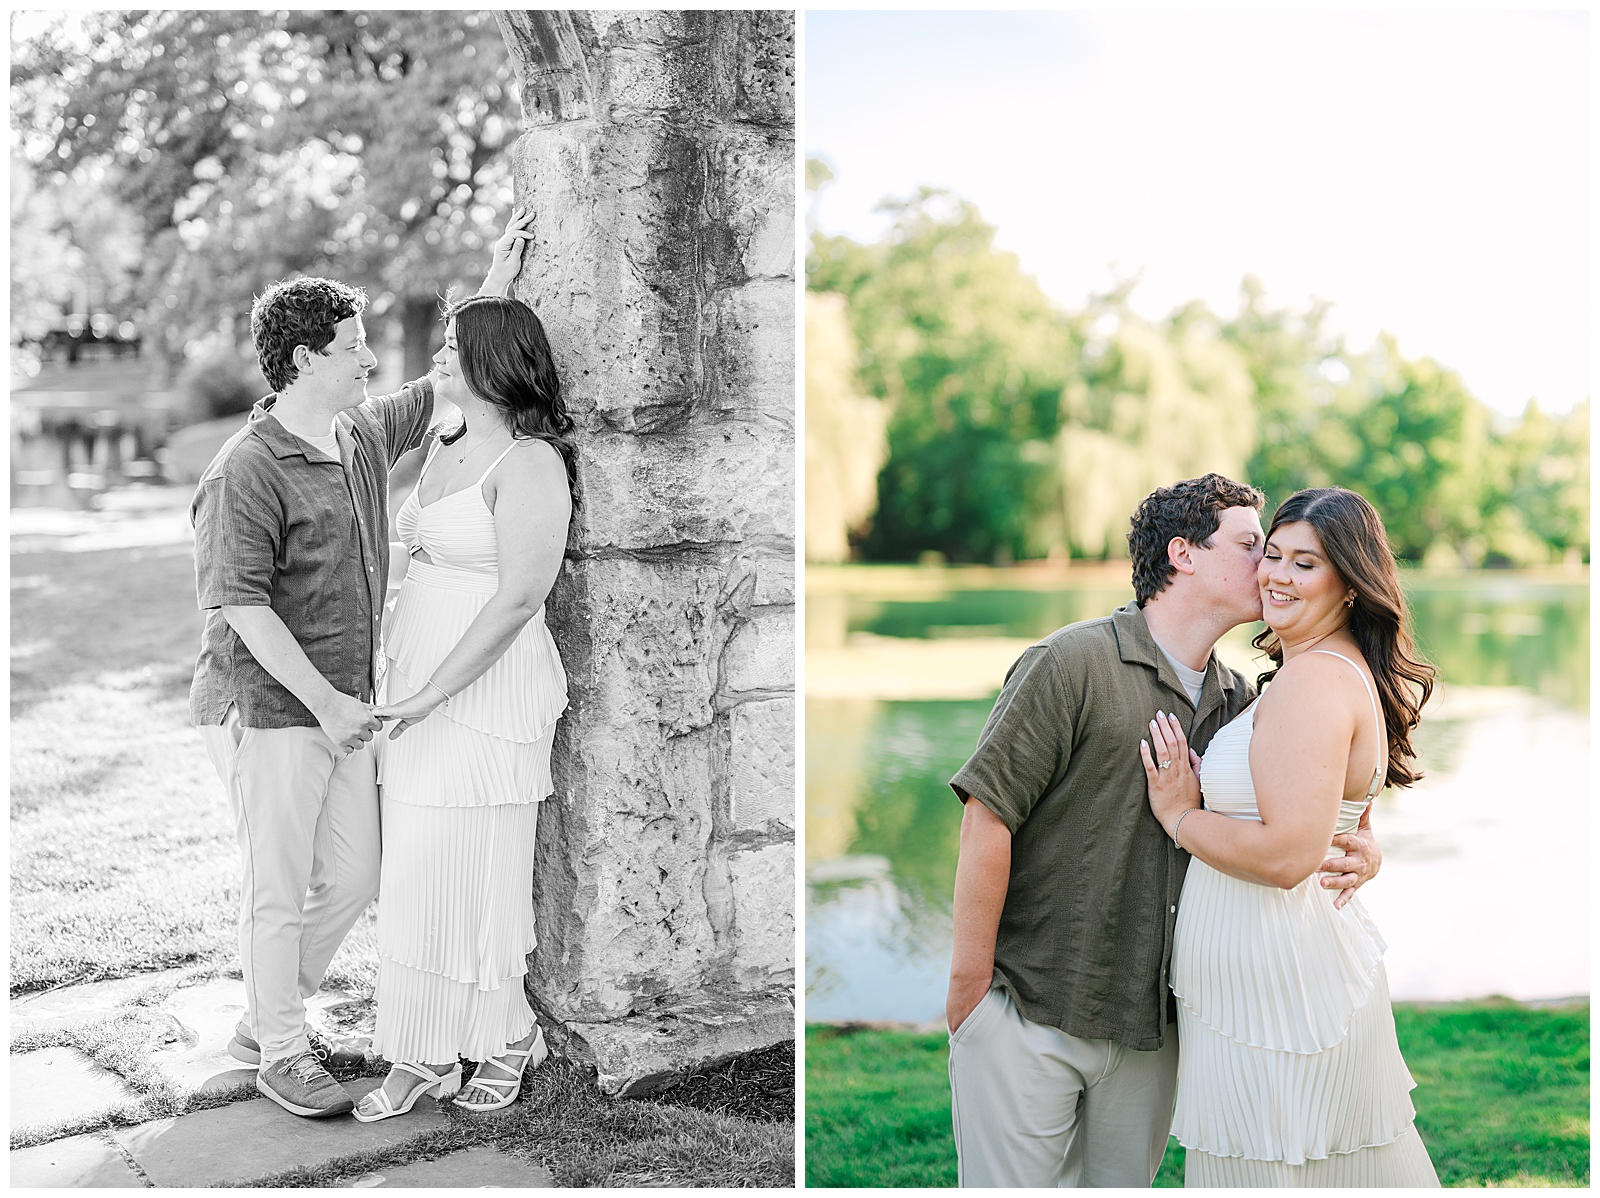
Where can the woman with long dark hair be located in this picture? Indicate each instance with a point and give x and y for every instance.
(1289, 1073)
(473, 688)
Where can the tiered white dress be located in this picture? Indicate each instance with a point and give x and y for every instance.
(459, 800)
(1288, 1072)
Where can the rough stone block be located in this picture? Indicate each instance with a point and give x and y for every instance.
(760, 654)
(77, 1161)
(479, 1168)
(775, 573)
(643, 1053)
(754, 204)
(248, 1140)
(639, 82)
(641, 639)
(754, 52)
(761, 763)
(619, 897)
(53, 1084)
(762, 881)
(752, 359)
(721, 482)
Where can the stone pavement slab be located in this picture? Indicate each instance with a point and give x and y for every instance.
(60, 1083)
(76, 1161)
(194, 1050)
(69, 1005)
(247, 1140)
(480, 1167)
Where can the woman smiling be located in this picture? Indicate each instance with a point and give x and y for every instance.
(1289, 1072)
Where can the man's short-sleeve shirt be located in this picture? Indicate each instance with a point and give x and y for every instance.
(280, 524)
(1085, 937)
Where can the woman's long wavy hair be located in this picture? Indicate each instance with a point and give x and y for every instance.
(1354, 540)
(505, 361)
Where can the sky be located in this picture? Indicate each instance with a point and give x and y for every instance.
(1427, 173)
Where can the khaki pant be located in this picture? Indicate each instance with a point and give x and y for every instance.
(1034, 1106)
(307, 823)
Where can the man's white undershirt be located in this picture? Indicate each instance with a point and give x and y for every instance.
(329, 445)
(1192, 680)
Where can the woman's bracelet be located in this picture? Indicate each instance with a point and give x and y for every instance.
(1178, 825)
(448, 697)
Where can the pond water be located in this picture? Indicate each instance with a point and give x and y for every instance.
(1485, 883)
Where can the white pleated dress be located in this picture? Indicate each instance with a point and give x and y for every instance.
(1289, 1073)
(459, 800)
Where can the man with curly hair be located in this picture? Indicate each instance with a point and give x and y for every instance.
(1063, 1044)
(292, 562)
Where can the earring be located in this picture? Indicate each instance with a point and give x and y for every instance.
(1350, 602)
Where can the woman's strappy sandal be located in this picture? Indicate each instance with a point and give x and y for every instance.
(440, 1085)
(507, 1089)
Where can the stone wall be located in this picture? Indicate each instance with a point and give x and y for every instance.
(658, 154)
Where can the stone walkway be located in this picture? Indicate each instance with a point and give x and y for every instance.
(187, 1020)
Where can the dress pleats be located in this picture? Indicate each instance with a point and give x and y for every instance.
(442, 762)
(1289, 1072)
(423, 1017)
(460, 794)
(1404, 1163)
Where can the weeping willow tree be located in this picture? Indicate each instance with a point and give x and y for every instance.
(846, 443)
(1153, 403)
(972, 357)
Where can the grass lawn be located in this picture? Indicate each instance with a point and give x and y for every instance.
(1502, 1099)
(123, 861)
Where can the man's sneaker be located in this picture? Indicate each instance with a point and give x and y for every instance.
(300, 1084)
(243, 1047)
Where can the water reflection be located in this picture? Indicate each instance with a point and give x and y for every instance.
(1485, 886)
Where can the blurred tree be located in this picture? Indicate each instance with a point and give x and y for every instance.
(1537, 505)
(845, 438)
(972, 358)
(1295, 367)
(1410, 438)
(1017, 429)
(218, 382)
(1152, 403)
(362, 145)
(74, 248)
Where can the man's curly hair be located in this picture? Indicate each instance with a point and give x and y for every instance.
(1191, 509)
(299, 312)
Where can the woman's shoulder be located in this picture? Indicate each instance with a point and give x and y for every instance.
(532, 458)
(531, 465)
(1319, 681)
(1336, 661)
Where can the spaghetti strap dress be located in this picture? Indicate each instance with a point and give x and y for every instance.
(459, 797)
(1289, 1073)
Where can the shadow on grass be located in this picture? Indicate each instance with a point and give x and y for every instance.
(756, 1085)
(77, 617)
(565, 1125)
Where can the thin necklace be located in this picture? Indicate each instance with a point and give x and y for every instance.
(466, 453)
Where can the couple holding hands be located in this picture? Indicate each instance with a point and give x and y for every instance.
(299, 675)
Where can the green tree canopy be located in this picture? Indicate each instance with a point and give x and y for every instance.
(1018, 429)
(1152, 402)
(1413, 441)
(364, 145)
(1295, 367)
(972, 358)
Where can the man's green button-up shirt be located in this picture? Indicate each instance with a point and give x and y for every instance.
(1085, 938)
